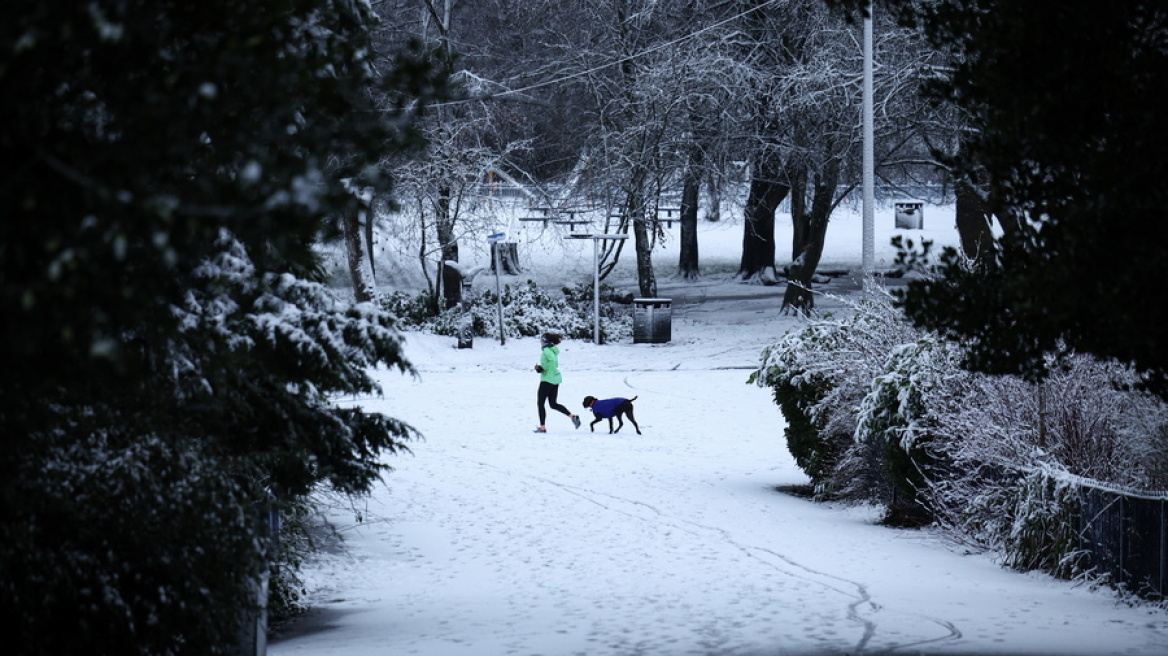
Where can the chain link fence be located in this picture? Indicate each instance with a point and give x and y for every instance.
(1124, 536)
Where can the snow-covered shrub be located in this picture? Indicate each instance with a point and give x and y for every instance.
(285, 588)
(1094, 428)
(528, 311)
(993, 431)
(819, 376)
(130, 533)
(798, 391)
(894, 421)
(815, 456)
(413, 311)
(1044, 532)
(879, 411)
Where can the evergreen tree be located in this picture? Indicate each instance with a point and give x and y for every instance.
(170, 351)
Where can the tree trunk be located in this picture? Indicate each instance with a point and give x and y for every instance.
(444, 225)
(646, 279)
(359, 272)
(798, 297)
(714, 189)
(636, 206)
(767, 191)
(506, 255)
(973, 221)
(369, 214)
(800, 219)
(687, 262)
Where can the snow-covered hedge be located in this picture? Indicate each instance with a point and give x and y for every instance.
(820, 375)
(880, 411)
(527, 311)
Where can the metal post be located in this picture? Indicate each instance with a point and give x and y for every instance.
(869, 164)
(495, 240)
(596, 291)
(499, 294)
(466, 321)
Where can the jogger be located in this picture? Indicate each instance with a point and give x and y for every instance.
(549, 381)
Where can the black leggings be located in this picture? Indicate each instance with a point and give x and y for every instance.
(548, 393)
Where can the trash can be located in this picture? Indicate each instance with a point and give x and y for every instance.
(910, 215)
(652, 320)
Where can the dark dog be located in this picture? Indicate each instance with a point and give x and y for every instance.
(609, 408)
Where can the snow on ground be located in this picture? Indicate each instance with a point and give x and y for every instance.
(491, 540)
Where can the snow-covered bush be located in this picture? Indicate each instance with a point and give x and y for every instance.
(895, 422)
(879, 411)
(994, 433)
(819, 376)
(527, 311)
(1044, 532)
(285, 587)
(799, 390)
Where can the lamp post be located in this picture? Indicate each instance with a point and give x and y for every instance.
(869, 165)
(596, 239)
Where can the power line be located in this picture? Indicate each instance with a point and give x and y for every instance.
(615, 62)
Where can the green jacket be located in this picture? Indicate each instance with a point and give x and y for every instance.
(549, 361)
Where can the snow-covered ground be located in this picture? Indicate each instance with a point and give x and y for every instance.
(491, 540)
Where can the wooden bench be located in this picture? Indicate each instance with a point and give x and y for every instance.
(532, 219)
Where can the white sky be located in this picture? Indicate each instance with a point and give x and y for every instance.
(491, 540)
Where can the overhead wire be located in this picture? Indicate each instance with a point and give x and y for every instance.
(615, 62)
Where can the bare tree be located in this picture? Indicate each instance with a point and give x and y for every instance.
(666, 104)
(821, 97)
(808, 130)
(762, 33)
(653, 96)
(635, 107)
(468, 137)
(716, 113)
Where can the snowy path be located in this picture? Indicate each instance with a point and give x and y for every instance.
(491, 540)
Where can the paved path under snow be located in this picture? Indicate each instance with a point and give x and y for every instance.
(493, 541)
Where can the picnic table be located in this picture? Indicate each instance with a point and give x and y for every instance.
(572, 223)
(669, 215)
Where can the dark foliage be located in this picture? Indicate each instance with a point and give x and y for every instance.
(1065, 102)
(170, 356)
(814, 454)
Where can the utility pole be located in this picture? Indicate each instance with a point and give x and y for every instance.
(869, 246)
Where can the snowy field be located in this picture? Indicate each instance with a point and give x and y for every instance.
(490, 540)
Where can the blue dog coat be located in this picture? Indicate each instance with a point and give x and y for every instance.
(606, 408)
